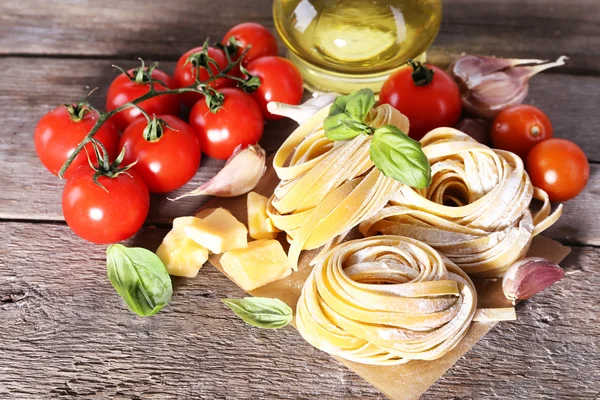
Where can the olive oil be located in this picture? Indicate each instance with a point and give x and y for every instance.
(344, 45)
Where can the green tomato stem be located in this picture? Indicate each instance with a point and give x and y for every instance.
(105, 116)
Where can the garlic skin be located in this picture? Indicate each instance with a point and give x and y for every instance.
(530, 276)
(240, 174)
(489, 85)
(304, 111)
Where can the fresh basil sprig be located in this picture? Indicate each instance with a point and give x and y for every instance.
(400, 157)
(140, 277)
(261, 312)
(347, 115)
(392, 151)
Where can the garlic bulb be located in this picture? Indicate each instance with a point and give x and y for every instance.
(488, 85)
(241, 173)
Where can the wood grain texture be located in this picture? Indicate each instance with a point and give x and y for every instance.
(29, 192)
(164, 30)
(66, 333)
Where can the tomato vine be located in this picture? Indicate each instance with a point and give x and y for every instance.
(213, 98)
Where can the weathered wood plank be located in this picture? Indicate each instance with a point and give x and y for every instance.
(164, 30)
(30, 192)
(65, 333)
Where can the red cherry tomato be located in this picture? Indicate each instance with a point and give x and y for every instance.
(185, 73)
(238, 122)
(519, 128)
(105, 216)
(58, 133)
(432, 104)
(559, 167)
(167, 163)
(250, 33)
(279, 81)
(123, 90)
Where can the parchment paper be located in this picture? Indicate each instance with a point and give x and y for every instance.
(402, 382)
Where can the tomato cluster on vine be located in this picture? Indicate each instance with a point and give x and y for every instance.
(226, 87)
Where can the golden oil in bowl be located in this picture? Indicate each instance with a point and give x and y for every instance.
(345, 45)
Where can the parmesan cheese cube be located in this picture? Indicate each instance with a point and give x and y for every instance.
(180, 255)
(263, 261)
(218, 231)
(257, 217)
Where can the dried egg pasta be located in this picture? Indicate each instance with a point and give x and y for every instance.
(328, 187)
(476, 210)
(385, 300)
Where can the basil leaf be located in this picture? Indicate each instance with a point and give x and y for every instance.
(341, 127)
(346, 118)
(359, 103)
(399, 157)
(139, 277)
(261, 312)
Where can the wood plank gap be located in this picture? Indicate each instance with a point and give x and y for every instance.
(166, 227)
(442, 60)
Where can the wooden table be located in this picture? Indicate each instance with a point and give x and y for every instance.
(65, 333)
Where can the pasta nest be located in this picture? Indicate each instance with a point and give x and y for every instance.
(385, 300)
(476, 210)
(328, 187)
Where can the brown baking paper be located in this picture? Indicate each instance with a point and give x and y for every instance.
(401, 382)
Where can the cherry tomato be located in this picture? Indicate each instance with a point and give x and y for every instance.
(559, 167)
(58, 133)
(238, 122)
(250, 33)
(123, 90)
(279, 81)
(429, 101)
(517, 129)
(166, 163)
(185, 73)
(105, 216)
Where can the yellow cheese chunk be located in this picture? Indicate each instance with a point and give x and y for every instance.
(180, 255)
(263, 261)
(218, 231)
(257, 217)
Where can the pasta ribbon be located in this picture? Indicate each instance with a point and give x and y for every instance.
(328, 187)
(385, 300)
(476, 210)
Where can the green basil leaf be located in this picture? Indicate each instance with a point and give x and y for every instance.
(341, 127)
(400, 157)
(139, 277)
(359, 103)
(346, 118)
(261, 312)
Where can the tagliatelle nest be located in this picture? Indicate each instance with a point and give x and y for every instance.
(476, 210)
(328, 187)
(385, 300)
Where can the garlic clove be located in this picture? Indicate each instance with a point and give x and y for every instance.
(530, 276)
(304, 111)
(488, 85)
(240, 174)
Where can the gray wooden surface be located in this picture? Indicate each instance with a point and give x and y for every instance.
(64, 333)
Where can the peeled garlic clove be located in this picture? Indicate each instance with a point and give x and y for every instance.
(304, 111)
(530, 276)
(240, 174)
(488, 85)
